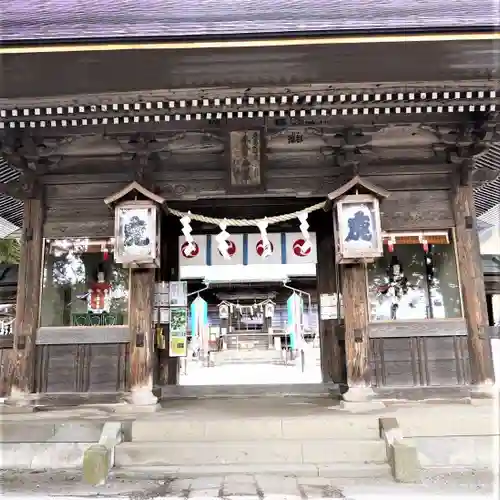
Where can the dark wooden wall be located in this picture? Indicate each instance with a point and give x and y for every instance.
(83, 359)
(6, 343)
(419, 198)
(419, 353)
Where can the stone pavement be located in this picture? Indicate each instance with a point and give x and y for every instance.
(155, 485)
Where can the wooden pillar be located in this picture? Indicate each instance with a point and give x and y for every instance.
(472, 280)
(357, 342)
(142, 335)
(169, 368)
(22, 358)
(332, 355)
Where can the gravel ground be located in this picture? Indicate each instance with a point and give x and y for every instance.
(155, 485)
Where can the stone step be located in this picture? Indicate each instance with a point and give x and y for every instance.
(227, 429)
(43, 455)
(281, 451)
(50, 432)
(467, 420)
(246, 391)
(330, 470)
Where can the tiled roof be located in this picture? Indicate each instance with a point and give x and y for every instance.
(11, 209)
(109, 19)
(488, 195)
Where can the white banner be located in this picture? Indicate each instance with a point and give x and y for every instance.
(198, 257)
(255, 249)
(294, 252)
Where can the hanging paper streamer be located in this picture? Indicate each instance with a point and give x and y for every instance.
(304, 226)
(105, 252)
(295, 309)
(199, 322)
(221, 238)
(425, 244)
(267, 248)
(390, 244)
(186, 231)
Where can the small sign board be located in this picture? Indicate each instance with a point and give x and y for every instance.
(178, 346)
(162, 294)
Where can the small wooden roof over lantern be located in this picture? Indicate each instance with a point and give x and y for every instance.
(356, 215)
(137, 225)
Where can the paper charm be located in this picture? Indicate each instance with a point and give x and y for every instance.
(221, 238)
(304, 226)
(266, 244)
(186, 231)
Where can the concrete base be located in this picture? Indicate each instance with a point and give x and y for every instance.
(9, 408)
(360, 399)
(134, 408)
(20, 399)
(361, 406)
(358, 394)
(486, 390)
(142, 396)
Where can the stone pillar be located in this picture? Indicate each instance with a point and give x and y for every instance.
(332, 355)
(472, 280)
(142, 336)
(357, 342)
(20, 373)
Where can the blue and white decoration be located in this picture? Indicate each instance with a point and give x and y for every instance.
(295, 310)
(199, 323)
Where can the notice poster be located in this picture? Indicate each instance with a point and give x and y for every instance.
(178, 293)
(328, 306)
(178, 346)
(178, 320)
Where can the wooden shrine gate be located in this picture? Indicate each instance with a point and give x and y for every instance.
(250, 149)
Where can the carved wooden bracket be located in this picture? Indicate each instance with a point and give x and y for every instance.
(348, 147)
(142, 150)
(466, 141)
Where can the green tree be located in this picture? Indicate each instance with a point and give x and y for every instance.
(10, 251)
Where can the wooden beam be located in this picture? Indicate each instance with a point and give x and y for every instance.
(142, 337)
(332, 355)
(472, 279)
(357, 342)
(21, 366)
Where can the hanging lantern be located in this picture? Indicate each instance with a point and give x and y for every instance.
(223, 311)
(357, 224)
(137, 226)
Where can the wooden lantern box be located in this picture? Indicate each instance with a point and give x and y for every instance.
(137, 226)
(357, 226)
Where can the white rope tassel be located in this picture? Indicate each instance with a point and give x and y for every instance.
(186, 231)
(304, 226)
(267, 249)
(221, 238)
